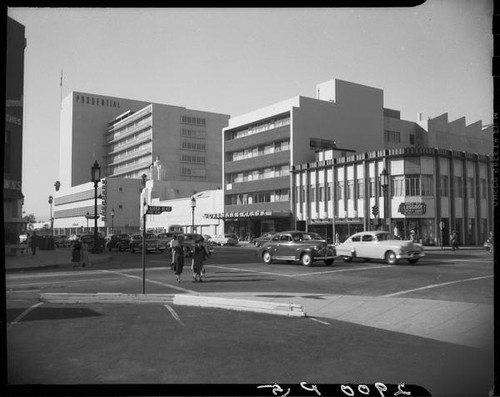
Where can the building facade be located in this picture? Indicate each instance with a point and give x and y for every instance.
(260, 147)
(13, 140)
(431, 191)
(179, 149)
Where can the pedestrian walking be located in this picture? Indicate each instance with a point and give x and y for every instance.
(33, 243)
(76, 254)
(174, 243)
(413, 236)
(199, 254)
(454, 240)
(179, 260)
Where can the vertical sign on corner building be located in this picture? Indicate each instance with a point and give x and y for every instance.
(104, 199)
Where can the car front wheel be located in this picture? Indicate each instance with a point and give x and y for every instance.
(328, 262)
(267, 257)
(412, 261)
(391, 259)
(306, 259)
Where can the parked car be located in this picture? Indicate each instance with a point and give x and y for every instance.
(379, 245)
(297, 246)
(152, 243)
(61, 240)
(118, 241)
(165, 239)
(188, 240)
(226, 239)
(262, 239)
(88, 240)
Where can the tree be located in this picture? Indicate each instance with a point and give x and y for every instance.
(29, 220)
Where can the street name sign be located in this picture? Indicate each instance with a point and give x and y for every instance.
(155, 209)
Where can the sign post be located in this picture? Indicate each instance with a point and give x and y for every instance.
(150, 210)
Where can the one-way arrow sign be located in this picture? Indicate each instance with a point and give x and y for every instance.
(155, 210)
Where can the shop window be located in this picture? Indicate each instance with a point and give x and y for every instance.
(412, 185)
(361, 189)
(397, 186)
(340, 190)
(372, 187)
(350, 190)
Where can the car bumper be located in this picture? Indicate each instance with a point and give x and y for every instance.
(322, 258)
(410, 255)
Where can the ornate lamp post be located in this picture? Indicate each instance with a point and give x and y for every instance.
(193, 206)
(112, 220)
(384, 183)
(96, 177)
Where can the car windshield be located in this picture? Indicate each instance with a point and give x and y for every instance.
(120, 236)
(386, 236)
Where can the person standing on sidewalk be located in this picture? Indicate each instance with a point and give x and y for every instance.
(33, 243)
(454, 240)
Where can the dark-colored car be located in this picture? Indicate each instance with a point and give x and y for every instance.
(297, 246)
(259, 241)
(61, 240)
(152, 243)
(121, 242)
(88, 240)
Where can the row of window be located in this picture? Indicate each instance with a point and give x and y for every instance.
(132, 151)
(193, 120)
(258, 197)
(262, 173)
(255, 129)
(392, 136)
(401, 185)
(132, 139)
(262, 150)
(185, 171)
(193, 146)
(131, 163)
(146, 119)
(192, 133)
(187, 158)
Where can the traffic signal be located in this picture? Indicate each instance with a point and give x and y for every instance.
(375, 210)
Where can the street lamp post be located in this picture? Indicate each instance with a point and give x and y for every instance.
(193, 206)
(51, 199)
(87, 215)
(384, 183)
(112, 221)
(96, 177)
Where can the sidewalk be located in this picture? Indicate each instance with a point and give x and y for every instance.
(49, 259)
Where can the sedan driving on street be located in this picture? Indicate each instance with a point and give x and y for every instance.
(297, 246)
(152, 243)
(379, 245)
(121, 242)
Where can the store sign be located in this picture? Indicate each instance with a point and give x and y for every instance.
(412, 208)
(243, 214)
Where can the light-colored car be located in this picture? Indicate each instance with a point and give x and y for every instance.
(297, 246)
(379, 245)
(226, 239)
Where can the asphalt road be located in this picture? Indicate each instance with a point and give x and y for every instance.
(113, 344)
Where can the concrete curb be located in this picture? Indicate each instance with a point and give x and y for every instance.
(283, 309)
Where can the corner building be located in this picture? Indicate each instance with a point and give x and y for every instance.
(260, 147)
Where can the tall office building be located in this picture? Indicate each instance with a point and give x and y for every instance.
(179, 150)
(260, 147)
(126, 136)
(13, 154)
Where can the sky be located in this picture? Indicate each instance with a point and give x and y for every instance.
(431, 59)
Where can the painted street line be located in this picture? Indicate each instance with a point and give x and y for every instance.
(299, 274)
(23, 314)
(435, 286)
(319, 321)
(154, 282)
(174, 315)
